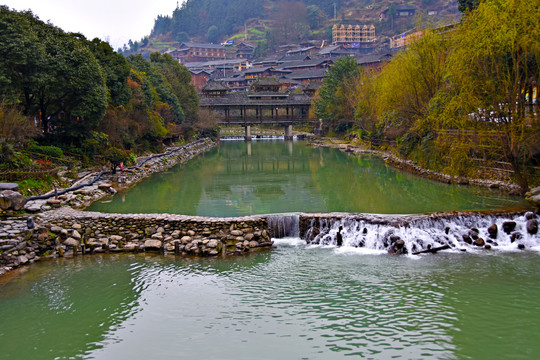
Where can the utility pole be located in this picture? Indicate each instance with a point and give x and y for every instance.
(335, 12)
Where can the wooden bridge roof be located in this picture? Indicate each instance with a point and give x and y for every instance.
(256, 99)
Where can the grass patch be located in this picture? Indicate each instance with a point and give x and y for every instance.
(31, 187)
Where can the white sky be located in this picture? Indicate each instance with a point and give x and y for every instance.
(115, 20)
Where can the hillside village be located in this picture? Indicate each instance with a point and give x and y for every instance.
(304, 65)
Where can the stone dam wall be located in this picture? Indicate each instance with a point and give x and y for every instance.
(186, 235)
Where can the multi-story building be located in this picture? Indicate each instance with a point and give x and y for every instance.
(193, 52)
(350, 35)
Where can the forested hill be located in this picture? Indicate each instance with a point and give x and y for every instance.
(196, 17)
(220, 20)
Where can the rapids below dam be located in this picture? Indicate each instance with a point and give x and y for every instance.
(307, 298)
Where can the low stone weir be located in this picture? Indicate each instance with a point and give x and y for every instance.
(187, 235)
(69, 232)
(423, 233)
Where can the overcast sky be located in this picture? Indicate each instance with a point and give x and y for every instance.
(113, 20)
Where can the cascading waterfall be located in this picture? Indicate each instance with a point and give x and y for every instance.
(282, 226)
(423, 233)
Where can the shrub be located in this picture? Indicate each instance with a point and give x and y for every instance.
(115, 156)
(52, 151)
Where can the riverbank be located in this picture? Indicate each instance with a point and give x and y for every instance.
(25, 238)
(86, 189)
(409, 166)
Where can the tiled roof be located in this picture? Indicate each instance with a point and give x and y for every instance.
(243, 98)
(203, 45)
(215, 86)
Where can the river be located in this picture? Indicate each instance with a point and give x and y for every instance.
(298, 300)
(266, 177)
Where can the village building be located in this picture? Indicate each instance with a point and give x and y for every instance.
(199, 78)
(197, 52)
(400, 11)
(353, 35)
(405, 39)
(244, 51)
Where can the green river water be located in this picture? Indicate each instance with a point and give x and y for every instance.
(266, 177)
(292, 302)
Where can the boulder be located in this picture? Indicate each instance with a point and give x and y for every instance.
(115, 238)
(467, 239)
(71, 242)
(185, 239)
(532, 226)
(212, 244)
(479, 242)
(237, 233)
(22, 259)
(529, 215)
(509, 226)
(11, 200)
(492, 231)
(533, 196)
(152, 244)
(76, 235)
(253, 244)
(9, 186)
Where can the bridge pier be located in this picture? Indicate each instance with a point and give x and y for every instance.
(288, 132)
(247, 135)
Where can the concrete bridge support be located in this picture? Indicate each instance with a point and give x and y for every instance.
(247, 136)
(288, 132)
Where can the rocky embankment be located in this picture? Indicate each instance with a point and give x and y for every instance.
(109, 184)
(409, 166)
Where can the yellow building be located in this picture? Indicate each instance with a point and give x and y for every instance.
(405, 39)
(353, 34)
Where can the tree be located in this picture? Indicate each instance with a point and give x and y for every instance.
(115, 157)
(493, 65)
(212, 34)
(467, 5)
(116, 70)
(406, 86)
(180, 79)
(162, 87)
(286, 18)
(316, 17)
(330, 106)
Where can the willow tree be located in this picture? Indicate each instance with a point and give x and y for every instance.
(494, 64)
(406, 86)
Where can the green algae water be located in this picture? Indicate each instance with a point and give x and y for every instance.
(294, 302)
(265, 177)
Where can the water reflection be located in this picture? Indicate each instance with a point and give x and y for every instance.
(244, 178)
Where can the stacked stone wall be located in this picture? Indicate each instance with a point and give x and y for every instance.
(79, 231)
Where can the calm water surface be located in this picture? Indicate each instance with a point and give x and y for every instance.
(295, 302)
(239, 178)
